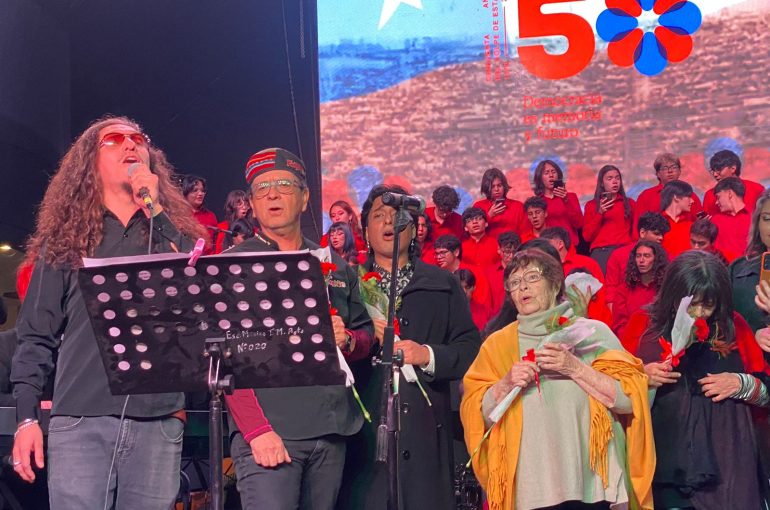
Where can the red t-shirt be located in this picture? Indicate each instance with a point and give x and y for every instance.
(480, 313)
(598, 309)
(482, 294)
(513, 217)
(733, 233)
(453, 224)
(627, 301)
(677, 240)
(565, 212)
(610, 228)
(649, 201)
(753, 190)
(428, 253)
(207, 219)
(616, 270)
(496, 286)
(573, 260)
(481, 253)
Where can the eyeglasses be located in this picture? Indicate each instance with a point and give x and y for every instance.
(666, 168)
(441, 253)
(528, 277)
(113, 139)
(284, 186)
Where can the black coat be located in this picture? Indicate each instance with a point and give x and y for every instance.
(744, 275)
(433, 311)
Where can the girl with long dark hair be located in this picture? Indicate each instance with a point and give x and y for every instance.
(237, 207)
(341, 241)
(609, 216)
(341, 211)
(704, 436)
(563, 206)
(644, 276)
(503, 214)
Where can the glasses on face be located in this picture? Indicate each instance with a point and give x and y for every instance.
(528, 277)
(117, 139)
(507, 251)
(284, 186)
(440, 254)
(669, 168)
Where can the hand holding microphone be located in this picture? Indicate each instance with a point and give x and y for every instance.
(144, 186)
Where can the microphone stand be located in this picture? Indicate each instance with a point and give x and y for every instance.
(391, 362)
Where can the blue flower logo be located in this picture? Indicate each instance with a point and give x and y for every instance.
(648, 34)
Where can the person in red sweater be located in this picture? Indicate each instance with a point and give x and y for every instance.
(536, 209)
(724, 164)
(442, 215)
(563, 206)
(733, 219)
(449, 254)
(343, 211)
(703, 235)
(341, 241)
(503, 214)
(644, 274)
(480, 312)
(424, 239)
(479, 248)
(676, 203)
(609, 216)
(570, 259)
(507, 244)
(707, 396)
(194, 191)
(668, 168)
(236, 208)
(651, 226)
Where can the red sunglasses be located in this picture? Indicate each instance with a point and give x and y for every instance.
(112, 139)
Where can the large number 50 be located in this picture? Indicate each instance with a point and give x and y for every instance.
(580, 38)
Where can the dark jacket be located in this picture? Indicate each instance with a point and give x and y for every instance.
(308, 412)
(54, 321)
(744, 275)
(433, 311)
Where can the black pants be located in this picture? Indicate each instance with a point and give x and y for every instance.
(310, 482)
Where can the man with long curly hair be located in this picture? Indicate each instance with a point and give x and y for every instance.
(103, 450)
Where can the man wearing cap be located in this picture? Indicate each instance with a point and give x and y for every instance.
(288, 444)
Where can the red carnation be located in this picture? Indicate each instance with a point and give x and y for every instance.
(701, 330)
(563, 320)
(328, 267)
(332, 310)
(372, 274)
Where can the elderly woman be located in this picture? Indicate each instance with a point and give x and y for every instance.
(439, 339)
(582, 413)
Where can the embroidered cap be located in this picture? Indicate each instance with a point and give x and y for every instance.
(274, 159)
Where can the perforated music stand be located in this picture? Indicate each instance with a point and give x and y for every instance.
(241, 320)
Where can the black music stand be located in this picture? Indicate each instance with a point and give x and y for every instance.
(241, 320)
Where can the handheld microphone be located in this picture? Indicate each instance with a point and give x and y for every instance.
(143, 191)
(412, 203)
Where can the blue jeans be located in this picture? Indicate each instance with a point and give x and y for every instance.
(145, 474)
(310, 482)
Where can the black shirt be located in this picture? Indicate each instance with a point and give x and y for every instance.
(53, 318)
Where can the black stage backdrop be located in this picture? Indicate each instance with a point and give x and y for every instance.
(211, 82)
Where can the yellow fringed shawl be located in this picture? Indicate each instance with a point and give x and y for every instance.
(495, 462)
